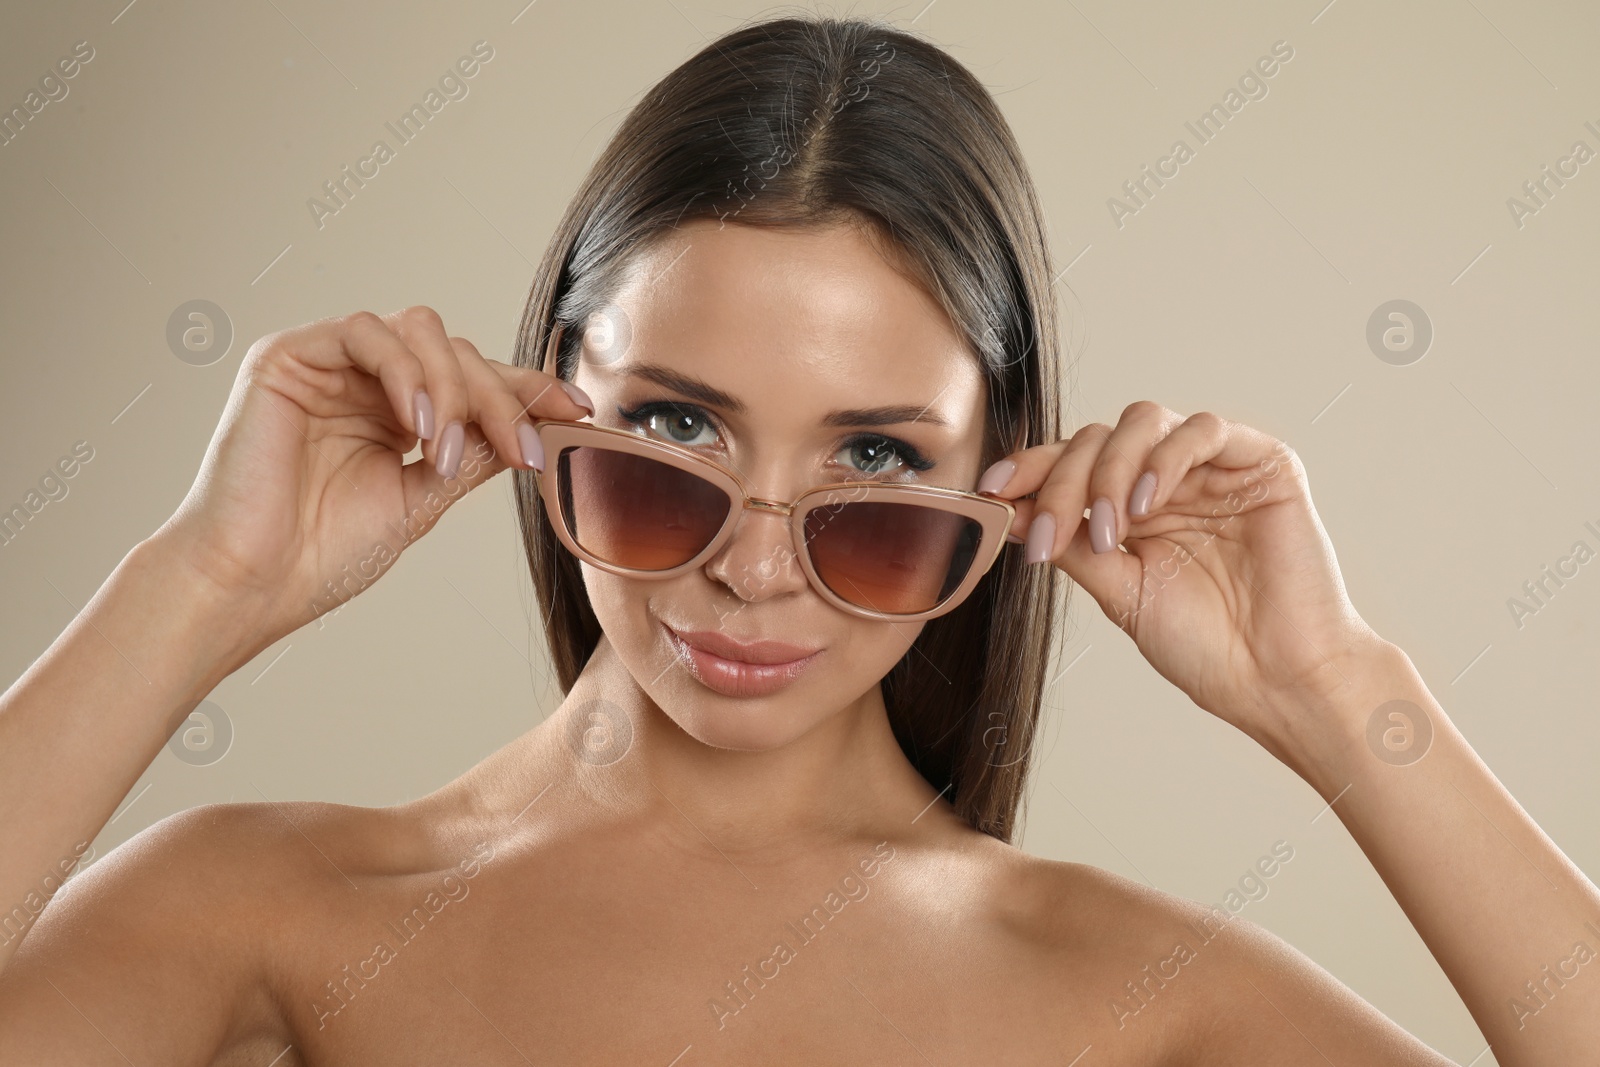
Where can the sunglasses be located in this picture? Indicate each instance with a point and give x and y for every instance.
(644, 508)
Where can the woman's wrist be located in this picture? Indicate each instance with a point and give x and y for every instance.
(1321, 727)
(209, 630)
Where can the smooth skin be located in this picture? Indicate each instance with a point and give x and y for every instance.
(565, 909)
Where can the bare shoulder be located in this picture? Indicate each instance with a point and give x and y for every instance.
(1077, 908)
(1192, 983)
(203, 908)
(251, 859)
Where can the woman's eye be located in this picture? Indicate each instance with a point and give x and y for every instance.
(682, 427)
(873, 455)
(688, 426)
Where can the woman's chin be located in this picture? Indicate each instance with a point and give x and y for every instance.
(739, 725)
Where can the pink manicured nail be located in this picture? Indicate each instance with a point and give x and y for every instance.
(1041, 537)
(1013, 538)
(532, 450)
(579, 397)
(1103, 525)
(995, 478)
(422, 414)
(450, 444)
(1144, 491)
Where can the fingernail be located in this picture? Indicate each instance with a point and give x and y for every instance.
(1103, 525)
(1013, 538)
(995, 478)
(1144, 491)
(1041, 537)
(422, 414)
(579, 397)
(449, 458)
(532, 450)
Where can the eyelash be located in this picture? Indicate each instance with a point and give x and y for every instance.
(641, 414)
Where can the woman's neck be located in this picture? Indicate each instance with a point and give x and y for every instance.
(844, 778)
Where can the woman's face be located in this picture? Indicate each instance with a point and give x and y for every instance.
(741, 342)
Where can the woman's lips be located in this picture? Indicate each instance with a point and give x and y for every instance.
(734, 678)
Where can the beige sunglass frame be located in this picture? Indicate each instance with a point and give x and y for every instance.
(993, 514)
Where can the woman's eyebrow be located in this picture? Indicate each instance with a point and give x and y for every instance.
(884, 416)
(707, 393)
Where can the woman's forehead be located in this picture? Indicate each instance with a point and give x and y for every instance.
(793, 318)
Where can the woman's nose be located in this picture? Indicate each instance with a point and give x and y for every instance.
(759, 560)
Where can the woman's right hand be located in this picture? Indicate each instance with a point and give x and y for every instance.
(304, 475)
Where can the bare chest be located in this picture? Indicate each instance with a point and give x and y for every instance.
(685, 964)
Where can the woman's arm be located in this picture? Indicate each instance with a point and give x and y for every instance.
(1228, 584)
(86, 719)
(148, 956)
(1513, 923)
(305, 473)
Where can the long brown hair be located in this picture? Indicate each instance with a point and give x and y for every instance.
(805, 122)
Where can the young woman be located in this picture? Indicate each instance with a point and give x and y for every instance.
(785, 387)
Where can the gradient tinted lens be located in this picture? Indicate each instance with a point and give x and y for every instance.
(897, 558)
(637, 512)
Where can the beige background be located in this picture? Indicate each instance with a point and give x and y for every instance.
(1377, 167)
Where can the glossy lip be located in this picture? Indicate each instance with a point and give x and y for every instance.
(760, 653)
(740, 678)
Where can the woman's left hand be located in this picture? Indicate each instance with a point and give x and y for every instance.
(1228, 585)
